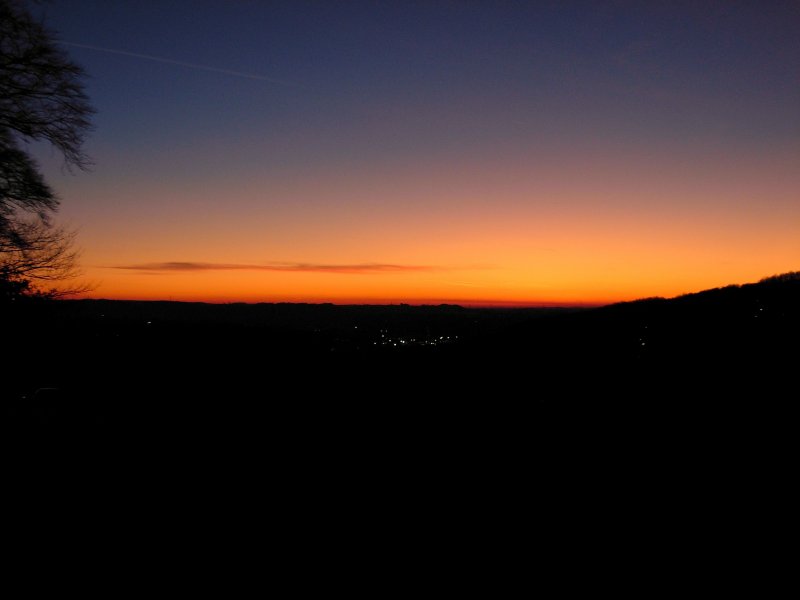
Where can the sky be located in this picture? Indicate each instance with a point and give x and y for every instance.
(482, 153)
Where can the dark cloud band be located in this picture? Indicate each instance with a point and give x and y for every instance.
(283, 267)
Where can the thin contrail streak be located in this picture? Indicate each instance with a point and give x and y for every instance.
(180, 63)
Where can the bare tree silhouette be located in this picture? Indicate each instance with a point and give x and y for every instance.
(42, 98)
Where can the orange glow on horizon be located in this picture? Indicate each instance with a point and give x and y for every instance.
(554, 230)
(505, 154)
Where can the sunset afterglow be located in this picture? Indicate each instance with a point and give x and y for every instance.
(475, 153)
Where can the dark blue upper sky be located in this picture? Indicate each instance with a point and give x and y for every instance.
(452, 70)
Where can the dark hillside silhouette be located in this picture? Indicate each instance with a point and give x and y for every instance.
(135, 376)
(753, 323)
(132, 341)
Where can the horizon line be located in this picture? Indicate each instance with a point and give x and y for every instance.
(432, 302)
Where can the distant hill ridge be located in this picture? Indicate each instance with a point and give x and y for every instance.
(781, 283)
(731, 331)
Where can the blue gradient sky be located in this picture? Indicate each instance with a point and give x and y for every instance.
(515, 152)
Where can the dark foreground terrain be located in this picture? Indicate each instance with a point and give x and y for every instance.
(420, 436)
(322, 378)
